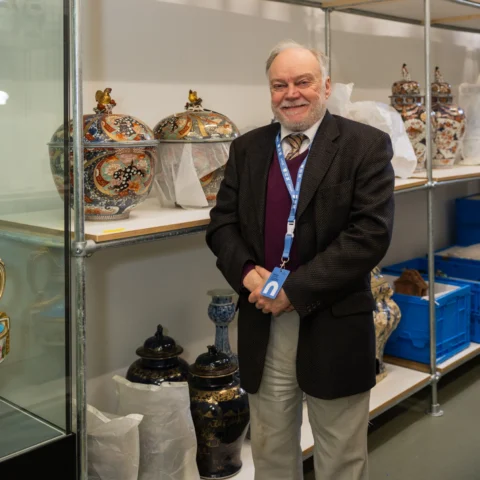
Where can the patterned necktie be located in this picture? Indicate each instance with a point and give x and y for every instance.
(295, 141)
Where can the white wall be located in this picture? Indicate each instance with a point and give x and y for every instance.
(151, 54)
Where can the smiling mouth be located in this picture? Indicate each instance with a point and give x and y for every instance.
(293, 108)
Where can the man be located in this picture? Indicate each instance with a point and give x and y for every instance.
(317, 335)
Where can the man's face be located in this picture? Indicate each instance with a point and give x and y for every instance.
(297, 90)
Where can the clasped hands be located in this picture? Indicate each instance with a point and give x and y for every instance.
(254, 282)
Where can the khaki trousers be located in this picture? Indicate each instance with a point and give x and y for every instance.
(339, 426)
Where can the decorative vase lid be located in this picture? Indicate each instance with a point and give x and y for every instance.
(213, 364)
(376, 278)
(159, 347)
(105, 128)
(406, 86)
(441, 90)
(196, 124)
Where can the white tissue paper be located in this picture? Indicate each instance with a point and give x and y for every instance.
(379, 115)
(469, 100)
(168, 445)
(180, 166)
(113, 445)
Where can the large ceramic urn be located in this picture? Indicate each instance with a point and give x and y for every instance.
(408, 101)
(192, 154)
(159, 361)
(386, 317)
(220, 414)
(450, 123)
(119, 161)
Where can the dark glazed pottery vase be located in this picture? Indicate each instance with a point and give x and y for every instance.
(159, 361)
(220, 414)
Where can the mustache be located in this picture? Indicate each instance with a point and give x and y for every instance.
(296, 103)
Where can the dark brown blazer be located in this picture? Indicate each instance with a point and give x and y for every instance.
(343, 230)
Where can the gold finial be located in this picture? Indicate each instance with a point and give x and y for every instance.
(105, 102)
(406, 73)
(194, 103)
(438, 75)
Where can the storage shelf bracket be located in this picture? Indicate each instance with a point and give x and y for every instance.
(83, 249)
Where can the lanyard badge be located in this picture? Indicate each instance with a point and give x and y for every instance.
(277, 278)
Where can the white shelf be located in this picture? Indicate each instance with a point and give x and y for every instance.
(147, 219)
(445, 13)
(407, 183)
(459, 359)
(399, 384)
(457, 172)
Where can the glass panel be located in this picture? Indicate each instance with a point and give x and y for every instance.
(34, 330)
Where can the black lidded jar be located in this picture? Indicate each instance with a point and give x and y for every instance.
(220, 414)
(159, 361)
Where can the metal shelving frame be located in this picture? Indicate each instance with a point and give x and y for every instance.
(82, 248)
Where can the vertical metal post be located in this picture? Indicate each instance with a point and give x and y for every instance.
(79, 242)
(434, 407)
(328, 40)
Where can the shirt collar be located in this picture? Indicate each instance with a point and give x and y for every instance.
(310, 133)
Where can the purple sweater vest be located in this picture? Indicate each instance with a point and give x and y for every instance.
(277, 209)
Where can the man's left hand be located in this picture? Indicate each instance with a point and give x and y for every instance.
(266, 305)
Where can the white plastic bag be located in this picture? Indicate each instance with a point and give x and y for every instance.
(379, 115)
(168, 445)
(469, 100)
(113, 446)
(339, 101)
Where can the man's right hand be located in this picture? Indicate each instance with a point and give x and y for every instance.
(253, 280)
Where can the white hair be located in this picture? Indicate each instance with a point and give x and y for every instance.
(286, 44)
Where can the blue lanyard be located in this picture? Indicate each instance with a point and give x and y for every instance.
(294, 195)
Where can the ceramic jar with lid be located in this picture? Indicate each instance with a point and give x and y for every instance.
(159, 361)
(408, 101)
(450, 123)
(220, 414)
(386, 316)
(119, 161)
(192, 154)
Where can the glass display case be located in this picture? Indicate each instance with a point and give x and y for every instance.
(35, 370)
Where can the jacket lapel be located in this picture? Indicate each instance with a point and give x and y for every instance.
(261, 158)
(322, 152)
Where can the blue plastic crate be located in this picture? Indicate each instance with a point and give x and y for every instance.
(411, 339)
(443, 275)
(467, 220)
(458, 267)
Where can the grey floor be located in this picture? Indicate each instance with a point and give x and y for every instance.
(406, 444)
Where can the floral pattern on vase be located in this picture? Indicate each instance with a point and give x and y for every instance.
(193, 144)
(119, 161)
(450, 123)
(387, 316)
(408, 101)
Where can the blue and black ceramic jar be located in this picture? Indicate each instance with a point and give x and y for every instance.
(220, 414)
(159, 361)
